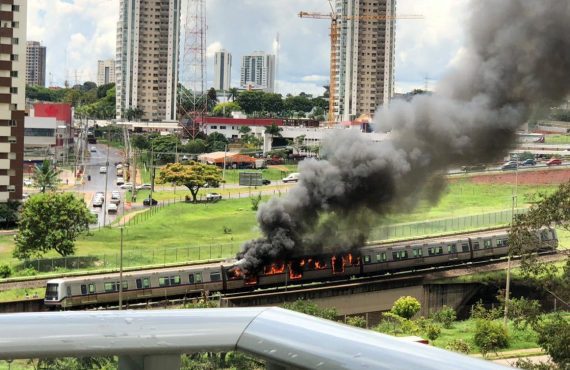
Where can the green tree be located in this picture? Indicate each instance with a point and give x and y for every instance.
(554, 337)
(358, 321)
(216, 142)
(46, 176)
(273, 131)
(244, 130)
(225, 109)
(406, 307)
(272, 103)
(298, 104)
(195, 146)
(310, 308)
(51, 221)
(233, 93)
(490, 336)
(251, 101)
(9, 214)
(212, 98)
(165, 147)
(193, 175)
(445, 316)
(140, 141)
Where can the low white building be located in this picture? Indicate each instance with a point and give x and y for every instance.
(39, 138)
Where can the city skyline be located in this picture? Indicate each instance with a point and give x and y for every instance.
(424, 48)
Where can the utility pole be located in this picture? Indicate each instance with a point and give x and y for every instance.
(151, 173)
(224, 170)
(121, 273)
(106, 180)
(508, 283)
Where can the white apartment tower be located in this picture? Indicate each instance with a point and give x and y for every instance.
(12, 97)
(258, 71)
(222, 70)
(35, 64)
(146, 70)
(365, 47)
(105, 72)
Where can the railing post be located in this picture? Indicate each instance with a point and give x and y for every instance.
(151, 362)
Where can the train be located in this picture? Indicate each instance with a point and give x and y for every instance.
(226, 277)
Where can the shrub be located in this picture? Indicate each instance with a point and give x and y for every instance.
(406, 307)
(446, 316)
(255, 202)
(480, 312)
(396, 325)
(5, 271)
(458, 345)
(553, 337)
(358, 321)
(490, 336)
(433, 331)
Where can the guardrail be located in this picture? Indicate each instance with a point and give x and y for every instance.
(155, 340)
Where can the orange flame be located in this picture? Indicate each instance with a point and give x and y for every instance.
(274, 268)
(251, 280)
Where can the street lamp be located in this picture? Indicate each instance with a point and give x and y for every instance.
(514, 204)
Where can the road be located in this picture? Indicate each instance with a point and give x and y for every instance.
(96, 183)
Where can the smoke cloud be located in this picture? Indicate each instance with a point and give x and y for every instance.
(517, 58)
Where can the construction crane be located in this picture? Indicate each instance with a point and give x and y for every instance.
(335, 19)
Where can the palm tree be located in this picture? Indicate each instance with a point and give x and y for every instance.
(233, 93)
(46, 177)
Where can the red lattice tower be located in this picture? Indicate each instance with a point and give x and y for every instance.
(192, 97)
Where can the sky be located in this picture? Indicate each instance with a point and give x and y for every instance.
(77, 33)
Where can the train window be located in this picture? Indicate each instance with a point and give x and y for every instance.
(399, 255)
(366, 259)
(91, 288)
(146, 283)
(417, 252)
(191, 278)
(381, 257)
(110, 287)
(452, 248)
(487, 243)
(125, 285)
(465, 247)
(163, 281)
(215, 276)
(69, 291)
(198, 277)
(502, 243)
(475, 245)
(139, 283)
(83, 289)
(175, 280)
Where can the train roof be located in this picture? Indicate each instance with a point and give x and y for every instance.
(439, 239)
(174, 269)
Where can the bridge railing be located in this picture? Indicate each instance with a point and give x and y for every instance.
(155, 340)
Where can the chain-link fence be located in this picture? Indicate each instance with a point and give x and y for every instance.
(443, 226)
(135, 258)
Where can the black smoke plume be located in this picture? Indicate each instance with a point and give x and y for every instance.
(517, 58)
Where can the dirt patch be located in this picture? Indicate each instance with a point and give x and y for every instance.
(548, 176)
(279, 168)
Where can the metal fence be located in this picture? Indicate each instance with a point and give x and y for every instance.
(446, 225)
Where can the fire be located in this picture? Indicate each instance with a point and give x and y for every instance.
(274, 269)
(319, 265)
(251, 280)
(235, 273)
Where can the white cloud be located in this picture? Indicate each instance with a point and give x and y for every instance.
(315, 78)
(213, 48)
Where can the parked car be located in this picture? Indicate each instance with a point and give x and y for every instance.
(28, 182)
(118, 165)
(103, 169)
(510, 165)
(293, 177)
(98, 201)
(120, 181)
(115, 197)
(144, 187)
(93, 149)
(554, 162)
(266, 182)
(112, 208)
(99, 194)
(148, 201)
(211, 197)
(476, 167)
(528, 162)
(120, 172)
(126, 185)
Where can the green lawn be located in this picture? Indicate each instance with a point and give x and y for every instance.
(184, 231)
(557, 139)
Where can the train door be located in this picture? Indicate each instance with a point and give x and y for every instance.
(143, 287)
(417, 254)
(452, 251)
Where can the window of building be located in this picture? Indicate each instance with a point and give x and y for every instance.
(222, 127)
(214, 127)
(15, 41)
(12, 139)
(11, 188)
(15, 8)
(13, 90)
(14, 57)
(13, 73)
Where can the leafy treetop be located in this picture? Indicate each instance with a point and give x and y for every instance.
(194, 176)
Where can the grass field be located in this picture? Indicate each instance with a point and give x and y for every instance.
(557, 139)
(185, 231)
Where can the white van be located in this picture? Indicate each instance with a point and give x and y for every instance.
(293, 177)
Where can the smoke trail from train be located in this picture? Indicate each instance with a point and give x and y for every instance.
(517, 58)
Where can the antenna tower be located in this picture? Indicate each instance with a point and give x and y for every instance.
(193, 97)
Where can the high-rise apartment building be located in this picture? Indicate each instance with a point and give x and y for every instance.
(222, 70)
(364, 73)
(35, 64)
(146, 70)
(258, 71)
(12, 97)
(105, 72)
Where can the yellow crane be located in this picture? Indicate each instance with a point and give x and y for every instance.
(335, 20)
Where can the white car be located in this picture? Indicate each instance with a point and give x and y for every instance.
(119, 166)
(93, 149)
(112, 208)
(98, 201)
(103, 169)
(120, 181)
(294, 177)
(115, 197)
(144, 187)
(127, 186)
(213, 197)
(28, 182)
